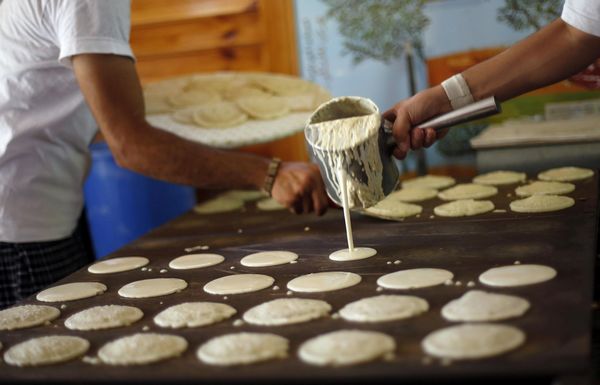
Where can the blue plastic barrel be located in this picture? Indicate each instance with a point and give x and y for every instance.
(122, 205)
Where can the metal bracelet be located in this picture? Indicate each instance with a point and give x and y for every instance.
(271, 174)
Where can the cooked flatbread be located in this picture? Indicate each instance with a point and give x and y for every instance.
(463, 208)
(566, 174)
(541, 204)
(219, 115)
(193, 98)
(544, 188)
(499, 178)
(267, 107)
(46, 350)
(26, 316)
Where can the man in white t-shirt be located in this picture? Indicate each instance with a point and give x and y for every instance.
(66, 68)
(561, 49)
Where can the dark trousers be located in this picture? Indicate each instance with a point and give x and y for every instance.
(26, 268)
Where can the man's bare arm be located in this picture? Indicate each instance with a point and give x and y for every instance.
(112, 89)
(554, 53)
(551, 54)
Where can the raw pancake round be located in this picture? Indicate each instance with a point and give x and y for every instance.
(356, 254)
(473, 341)
(269, 258)
(463, 208)
(193, 314)
(389, 208)
(152, 287)
(500, 178)
(46, 351)
(541, 204)
(477, 306)
(242, 349)
(71, 291)
(414, 194)
(26, 316)
(323, 281)
(219, 205)
(142, 348)
(195, 261)
(104, 317)
(414, 278)
(117, 265)
(517, 275)
(286, 311)
(544, 188)
(269, 204)
(244, 195)
(566, 174)
(383, 308)
(346, 347)
(468, 191)
(435, 182)
(238, 283)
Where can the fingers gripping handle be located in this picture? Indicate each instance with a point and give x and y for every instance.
(481, 109)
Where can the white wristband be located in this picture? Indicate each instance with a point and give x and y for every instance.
(458, 91)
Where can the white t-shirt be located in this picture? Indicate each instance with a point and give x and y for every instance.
(45, 124)
(583, 15)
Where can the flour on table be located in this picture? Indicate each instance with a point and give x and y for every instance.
(286, 311)
(473, 341)
(245, 195)
(104, 317)
(384, 308)
(243, 349)
(323, 281)
(517, 275)
(269, 204)
(71, 291)
(414, 278)
(152, 287)
(238, 283)
(117, 265)
(477, 306)
(46, 350)
(219, 205)
(193, 314)
(142, 348)
(346, 347)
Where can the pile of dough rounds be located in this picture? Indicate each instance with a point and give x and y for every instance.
(468, 191)
(500, 178)
(229, 99)
(463, 208)
(544, 188)
(566, 174)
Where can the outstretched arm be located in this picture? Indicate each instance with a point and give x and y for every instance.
(112, 90)
(549, 55)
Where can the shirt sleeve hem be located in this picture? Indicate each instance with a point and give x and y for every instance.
(580, 21)
(93, 45)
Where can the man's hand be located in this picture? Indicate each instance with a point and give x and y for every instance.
(299, 186)
(411, 112)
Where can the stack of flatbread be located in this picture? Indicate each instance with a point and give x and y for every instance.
(230, 99)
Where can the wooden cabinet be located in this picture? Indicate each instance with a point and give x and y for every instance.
(178, 37)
